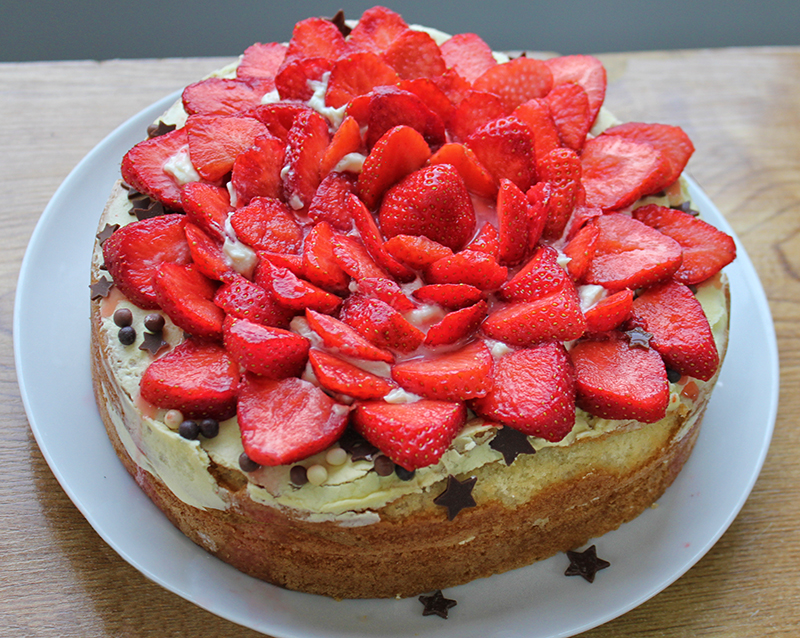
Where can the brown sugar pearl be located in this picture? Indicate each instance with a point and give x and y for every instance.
(384, 466)
(154, 322)
(127, 335)
(298, 475)
(123, 317)
(247, 464)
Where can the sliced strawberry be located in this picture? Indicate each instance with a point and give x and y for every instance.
(292, 292)
(246, 300)
(287, 420)
(512, 220)
(198, 378)
(535, 114)
(330, 201)
(415, 54)
(584, 70)
(318, 263)
(185, 295)
(135, 252)
(516, 81)
(681, 333)
(453, 86)
(569, 106)
(143, 167)
(432, 202)
(207, 254)
(540, 277)
(377, 28)
(308, 138)
(315, 38)
(671, 141)
(469, 55)
(357, 74)
(486, 241)
(476, 178)
(215, 141)
(261, 60)
(390, 106)
(352, 257)
(224, 96)
(416, 251)
(386, 290)
(538, 211)
(342, 339)
(561, 168)
(381, 324)
(534, 392)
(630, 254)
(207, 206)
(346, 140)
(580, 250)
(399, 152)
(505, 147)
(618, 171)
(279, 117)
(456, 325)
(556, 316)
(338, 376)
(267, 224)
(431, 95)
(293, 263)
(608, 313)
(471, 267)
(295, 79)
(453, 296)
(617, 381)
(269, 352)
(256, 171)
(413, 435)
(706, 250)
(477, 109)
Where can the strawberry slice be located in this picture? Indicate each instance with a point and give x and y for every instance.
(453, 296)
(477, 109)
(135, 252)
(224, 96)
(609, 312)
(556, 316)
(355, 75)
(618, 171)
(207, 254)
(415, 54)
(681, 333)
(185, 295)
(279, 117)
(617, 381)
(342, 339)
(538, 278)
(256, 171)
(386, 290)
(538, 211)
(399, 152)
(505, 147)
(453, 86)
(630, 254)
(267, 224)
(269, 352)
(295, 79)
(569, 106)
(143, 167)
(198, 378)
(456, 325)
(246, 300)
(534, 392)
(706, 250)
(516, 81)
(561, 168)
(287, 420)
(389, 106)
(431, 95)
(292, 292)
(340, 377)
(377, 28)
(352, 257)
(432, 202)
(215, 141)
(293, 263)
(346, 140)
(512, 221)
(330, 201)
(584, 70)
(416, 251)
(471, 267)
(580, 250)
(535, 114)
(315, 38)
(487, 241)
(306, 143)
(381, 324)
(261, 60)
(318, 263)
(413, 435)
(455, 376)
(468, 55)
(206, 206)
(476, 178)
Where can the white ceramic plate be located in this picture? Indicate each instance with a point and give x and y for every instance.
(51, 339)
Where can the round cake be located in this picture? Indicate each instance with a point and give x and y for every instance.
(378, 311)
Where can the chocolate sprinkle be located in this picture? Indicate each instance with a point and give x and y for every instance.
(209, 428)
(123, 317)
(189, 430)
(156, 130)
(339, 23)
(436, 603)
(357, 446)
(108, 230)
(673, 376)
(511, 443)
(154, 322)
(127, 335)
(153, 209)
(153, 343)
(639, 338)
(457, 495)
(247, 464)
(585, 564)
(298, 475)
(384, 466)
(101, 288)
(403, 474)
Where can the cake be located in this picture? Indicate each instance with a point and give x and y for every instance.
(379, 311)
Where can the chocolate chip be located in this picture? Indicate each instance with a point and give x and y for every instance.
(189, 429)
(247, 464)
(638, 337)
(209, 428)
(673, 376)
(339, 23)
(123, 317)
(101, 288)
(298, 475)
(511, 443)
(154, 322)
(403, 474)
(585, 564)
(436, 603)
(127, 335)
(156, 130)
(457, 495)
(153, 343)
(108, 230)
(384, 466)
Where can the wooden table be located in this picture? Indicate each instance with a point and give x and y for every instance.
(742, 109)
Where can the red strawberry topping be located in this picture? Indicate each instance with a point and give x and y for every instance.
(143, 167)
(517, 81)
(270, 352)
(340, 377)
(468, 55)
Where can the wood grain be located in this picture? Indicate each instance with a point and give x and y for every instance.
(742, 109)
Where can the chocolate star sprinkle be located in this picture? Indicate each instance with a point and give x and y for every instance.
(585, 564)
(107, 231)
(511, 443)
(457, 495)
(357, 447)
(101, 288)
(436, 603)
(639, 338)
(339, 23)
(156, 130)
(153, 343)
(153, 209)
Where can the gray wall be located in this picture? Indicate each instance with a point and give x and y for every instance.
(93, 29)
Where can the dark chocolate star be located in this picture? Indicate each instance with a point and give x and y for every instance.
(154, 208)
(156, 130)
(357, 447)
(639, 338)
(339, 23)
(511, 443)
(585, 564)
(101, 288)
(457, 495)
(153, 342)
(436, 603)
(107, 231)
